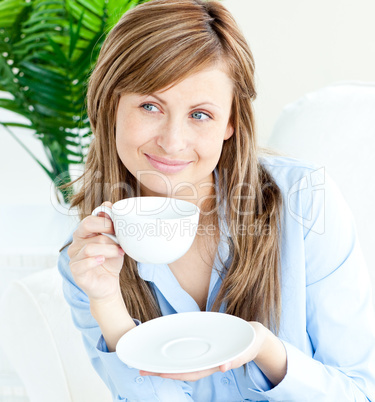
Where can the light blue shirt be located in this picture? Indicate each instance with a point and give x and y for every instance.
(327, 321)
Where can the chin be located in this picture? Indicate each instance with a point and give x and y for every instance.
(165, 185)
(154, 185)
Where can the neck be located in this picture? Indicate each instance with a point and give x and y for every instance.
(201, 194)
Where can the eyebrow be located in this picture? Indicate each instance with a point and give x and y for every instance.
(192, 107)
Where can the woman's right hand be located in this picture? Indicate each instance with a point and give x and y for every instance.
(95, 259)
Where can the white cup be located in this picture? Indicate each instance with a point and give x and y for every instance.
(156, 230)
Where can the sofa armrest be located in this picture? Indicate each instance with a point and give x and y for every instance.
(43, 345)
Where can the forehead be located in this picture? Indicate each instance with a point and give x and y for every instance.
(206, 75)
(210, 85)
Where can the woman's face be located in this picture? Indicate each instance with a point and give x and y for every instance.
(187, 123)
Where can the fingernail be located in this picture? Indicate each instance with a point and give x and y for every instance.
(100, 259)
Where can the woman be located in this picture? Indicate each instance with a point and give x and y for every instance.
(174, 83)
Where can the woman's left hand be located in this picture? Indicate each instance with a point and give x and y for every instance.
(261, 334)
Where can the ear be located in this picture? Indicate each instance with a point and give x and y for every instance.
(229, 131)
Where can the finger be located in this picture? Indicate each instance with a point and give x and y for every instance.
(80, 267)
(106, 204)
(225, 367)
(92, 225)
(95, 249)
(148, 373)
(78, 244)
(195, 376)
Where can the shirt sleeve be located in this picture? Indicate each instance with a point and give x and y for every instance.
(339, 313)
(123, 381)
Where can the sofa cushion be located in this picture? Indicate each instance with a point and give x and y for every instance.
(43, 345)
(335, 127)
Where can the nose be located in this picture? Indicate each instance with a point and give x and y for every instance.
(172, 138)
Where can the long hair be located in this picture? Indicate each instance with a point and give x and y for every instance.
(154, 45)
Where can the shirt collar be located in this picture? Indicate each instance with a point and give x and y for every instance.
(147, 270)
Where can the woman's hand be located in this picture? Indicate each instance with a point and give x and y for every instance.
(95, 259)
(267, 352)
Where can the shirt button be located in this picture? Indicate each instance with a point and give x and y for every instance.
(225, 381)
(139, 380)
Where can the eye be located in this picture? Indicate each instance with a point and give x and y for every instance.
(201, 113)
(149, 106)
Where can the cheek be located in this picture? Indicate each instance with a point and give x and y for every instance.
(210, 145)
(131, 133)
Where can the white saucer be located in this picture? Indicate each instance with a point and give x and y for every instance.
(185, 342)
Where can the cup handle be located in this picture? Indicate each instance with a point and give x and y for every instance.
(103, 208)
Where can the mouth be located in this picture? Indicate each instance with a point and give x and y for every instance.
(167, 165)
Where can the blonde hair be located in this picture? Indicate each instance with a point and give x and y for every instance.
(154, 45)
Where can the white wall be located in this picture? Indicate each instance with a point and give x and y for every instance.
(303, 45)
(298, 46)
(22, 180)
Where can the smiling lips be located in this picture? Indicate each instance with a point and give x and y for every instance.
(167, 165)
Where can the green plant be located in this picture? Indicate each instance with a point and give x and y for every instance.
(47, 50)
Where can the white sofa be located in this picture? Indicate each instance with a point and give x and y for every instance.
(334, 126)
(43, 345)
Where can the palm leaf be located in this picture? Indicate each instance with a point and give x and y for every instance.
(47, 51)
